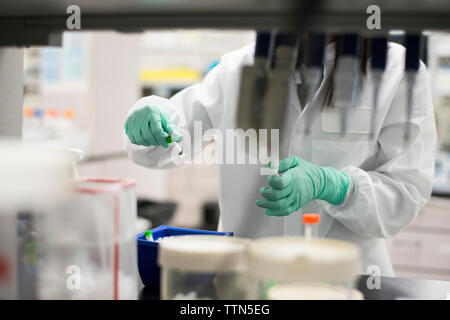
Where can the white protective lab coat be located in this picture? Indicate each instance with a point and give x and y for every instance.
(391, 181)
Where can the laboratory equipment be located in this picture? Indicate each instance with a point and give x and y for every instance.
(313, 72)
(378, 49)
(203, 267)
(253, 83)
(48, 21)
(33, 185)
(279, 86)
(30, 25)
(412, 64)
(286, 260)
(149, 270)
(73, 154)
(92, 241)
(347, 78)
(312, 291)
(177, 147)
(273, 166)
(8, 254)
(340, 11)
(311, 222)
(38, 114)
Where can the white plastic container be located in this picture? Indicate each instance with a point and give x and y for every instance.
(91, 253)
(75, 155)
(33, 184)
(278, 261)
(203, 267)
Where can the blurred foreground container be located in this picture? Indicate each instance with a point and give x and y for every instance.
(302, 268)
(90, 248)
(33, 184)
(62, 238)
(203, 267)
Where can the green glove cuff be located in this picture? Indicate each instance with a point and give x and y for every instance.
(334, 187)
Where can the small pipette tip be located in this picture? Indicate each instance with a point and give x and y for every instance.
(273, 168)
(170, 140)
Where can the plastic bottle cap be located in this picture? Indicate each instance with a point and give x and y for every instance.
(313, 218)
(38, 113)
(52, 112)
(169, 139)
(69, 113)
(28, 112)
(147, 233)
(298, 259)
(203, 253)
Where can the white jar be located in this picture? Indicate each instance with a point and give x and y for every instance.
(285, 260)
(203, 267)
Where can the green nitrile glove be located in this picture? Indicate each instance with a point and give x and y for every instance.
(150, 126)
(300, 182)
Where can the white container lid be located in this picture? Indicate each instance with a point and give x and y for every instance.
(32, 174)
(312, 291)
(73, 154)
(299, 259)
(203, 253)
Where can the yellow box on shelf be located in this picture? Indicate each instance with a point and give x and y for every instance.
(172, 75)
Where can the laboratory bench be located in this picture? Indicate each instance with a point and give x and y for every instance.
(422, 249)
(391, 288)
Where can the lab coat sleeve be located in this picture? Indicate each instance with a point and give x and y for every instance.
(201, 103)
(383, 200)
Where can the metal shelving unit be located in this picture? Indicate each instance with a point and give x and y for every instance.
(26, 22)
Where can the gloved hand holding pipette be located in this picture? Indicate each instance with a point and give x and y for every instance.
(151, 126)
(300, 182)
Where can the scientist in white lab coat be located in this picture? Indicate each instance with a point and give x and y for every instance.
(364, 189)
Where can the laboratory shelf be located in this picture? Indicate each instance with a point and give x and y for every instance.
(28, 22)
